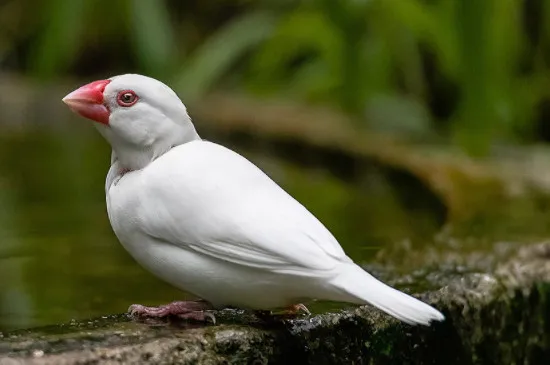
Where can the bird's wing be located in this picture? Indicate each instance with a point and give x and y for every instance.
(206, 198)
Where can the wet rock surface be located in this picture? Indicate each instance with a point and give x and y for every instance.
(496, 298)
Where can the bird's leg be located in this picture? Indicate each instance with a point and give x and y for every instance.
(288, 312)
(293, 310)
(193, 310)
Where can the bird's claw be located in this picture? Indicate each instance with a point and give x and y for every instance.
(288, 313)
(199, 316)
(195, 311)
(300, 307)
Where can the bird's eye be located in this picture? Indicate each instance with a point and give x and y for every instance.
(127, 98)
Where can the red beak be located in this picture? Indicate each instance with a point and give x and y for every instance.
(88, 101)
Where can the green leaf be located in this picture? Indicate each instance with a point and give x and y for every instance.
(61, 39)
(153, 36)
(398, 114)
(301, 33)
(220, 52)
(433, 24)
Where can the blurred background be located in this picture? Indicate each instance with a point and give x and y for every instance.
(391, 120)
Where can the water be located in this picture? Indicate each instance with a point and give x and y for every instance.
(59, 259)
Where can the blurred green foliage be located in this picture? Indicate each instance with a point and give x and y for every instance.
(475, 72)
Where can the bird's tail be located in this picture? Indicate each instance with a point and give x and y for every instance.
(357, 286)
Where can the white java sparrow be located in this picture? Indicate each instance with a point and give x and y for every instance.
(206, 220)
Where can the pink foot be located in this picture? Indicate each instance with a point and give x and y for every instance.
(296, 308)
(287, 313)
(192, 310)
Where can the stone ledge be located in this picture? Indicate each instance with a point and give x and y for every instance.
(496, 300)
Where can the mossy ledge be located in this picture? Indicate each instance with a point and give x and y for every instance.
(496, 298)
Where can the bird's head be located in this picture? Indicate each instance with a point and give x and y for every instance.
(141, 117)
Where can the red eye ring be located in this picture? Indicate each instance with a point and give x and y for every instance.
(126, 98)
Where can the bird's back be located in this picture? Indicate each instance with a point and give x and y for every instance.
(217, 193)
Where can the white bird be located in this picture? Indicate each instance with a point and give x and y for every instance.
(206, 220)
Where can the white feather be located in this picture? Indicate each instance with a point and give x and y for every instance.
(360, 287)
